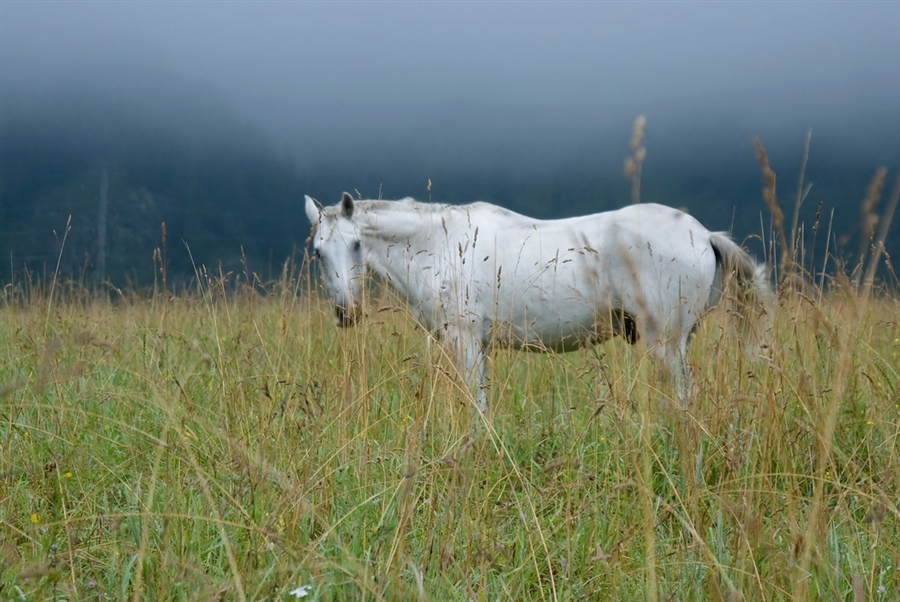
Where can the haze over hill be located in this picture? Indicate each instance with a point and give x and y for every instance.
(216, 118)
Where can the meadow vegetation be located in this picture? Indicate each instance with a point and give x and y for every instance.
(230, 443)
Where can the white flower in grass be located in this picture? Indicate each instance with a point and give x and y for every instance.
(301, 592)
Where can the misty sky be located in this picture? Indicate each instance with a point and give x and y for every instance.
(479, 80)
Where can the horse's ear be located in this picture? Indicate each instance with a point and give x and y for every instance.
(312, 210)
(347, 205)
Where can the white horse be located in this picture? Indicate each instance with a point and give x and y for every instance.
(479, 275)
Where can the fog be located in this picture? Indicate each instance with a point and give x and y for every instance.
(431, 73)
(383, 96)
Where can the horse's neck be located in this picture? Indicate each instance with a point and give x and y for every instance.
(394, 236)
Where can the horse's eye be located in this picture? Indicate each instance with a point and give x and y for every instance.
(357, 246)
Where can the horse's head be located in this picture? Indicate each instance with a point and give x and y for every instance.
(337, 245)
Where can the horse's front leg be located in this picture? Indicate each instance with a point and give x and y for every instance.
(464, 346)
(670, 354)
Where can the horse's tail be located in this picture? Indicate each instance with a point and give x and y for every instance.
(747, 284)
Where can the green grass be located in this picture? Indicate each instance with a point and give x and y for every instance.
(211, 446)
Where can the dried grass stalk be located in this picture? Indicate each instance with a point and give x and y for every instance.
(771, 200)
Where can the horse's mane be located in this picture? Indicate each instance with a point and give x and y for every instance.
(426, 208)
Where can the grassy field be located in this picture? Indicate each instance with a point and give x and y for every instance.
(238, 447)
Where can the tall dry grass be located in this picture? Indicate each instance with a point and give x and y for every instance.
(234, 445)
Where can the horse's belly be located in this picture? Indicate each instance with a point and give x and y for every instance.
(550, 331)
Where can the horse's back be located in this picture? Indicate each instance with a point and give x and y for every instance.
(666, 250)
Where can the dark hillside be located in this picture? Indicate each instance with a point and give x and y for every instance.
(175, 154)
(184, 161)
